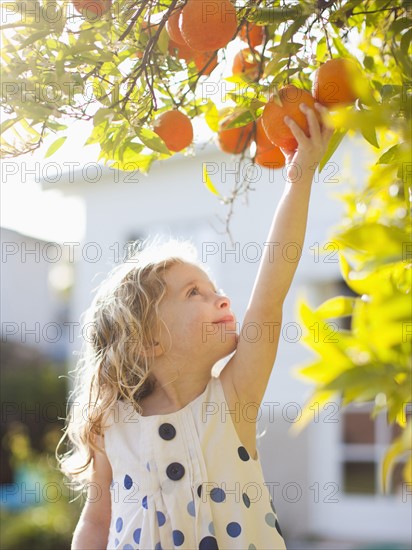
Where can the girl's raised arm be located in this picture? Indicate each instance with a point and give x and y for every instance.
(251, 365)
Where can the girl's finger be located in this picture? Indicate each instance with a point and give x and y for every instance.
(287, 154)
(314, 127)
(296, 130)
(326, 130)
(327, 133)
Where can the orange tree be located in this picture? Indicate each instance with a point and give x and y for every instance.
(121, 64)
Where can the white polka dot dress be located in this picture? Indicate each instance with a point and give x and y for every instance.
(184, 481)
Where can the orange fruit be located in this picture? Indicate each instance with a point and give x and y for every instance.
(263, 143)
(335, 82)
(175, 129)
(246, 62)
(267, 155)
(207, 25)
(205, 62)
(254, 35)
(92, 9)
(172, 27)
(181, 51)
(273, 114)
(271, 158)
(234, 140)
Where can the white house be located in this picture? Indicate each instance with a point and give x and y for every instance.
(33, 304)
(324, 480)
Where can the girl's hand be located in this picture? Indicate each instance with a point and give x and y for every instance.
(302, 163)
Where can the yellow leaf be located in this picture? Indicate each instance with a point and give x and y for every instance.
(339, 306)
(401, 445)
(311, 409)
(208, 182)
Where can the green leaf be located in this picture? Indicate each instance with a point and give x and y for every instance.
(103, 114)
(369, 62)
(130, 151)
(241, 120)
(8, 124)
(390, 156)
(140, 163)
(34, 37)
(208, 182)
(55, 146)
(152, 140)
(399, 25)
(55, 126)
(406, 41)
(321, 50)
(212, 116)
(334, 143)
(369, 133)
(265, 16)
(373, 242)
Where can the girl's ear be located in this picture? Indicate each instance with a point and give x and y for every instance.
(154, 350)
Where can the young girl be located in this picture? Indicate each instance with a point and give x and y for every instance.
(167, 456)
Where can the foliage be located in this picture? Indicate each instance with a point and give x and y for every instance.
(35, 510)
(114, 73)
(33, 394)
(50, 523)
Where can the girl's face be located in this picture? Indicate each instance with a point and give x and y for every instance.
(198, 318)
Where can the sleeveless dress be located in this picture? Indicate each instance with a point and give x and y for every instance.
(183, 480)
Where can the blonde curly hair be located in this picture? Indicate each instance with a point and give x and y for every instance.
(120, 324)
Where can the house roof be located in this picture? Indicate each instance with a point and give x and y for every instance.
(72, 179)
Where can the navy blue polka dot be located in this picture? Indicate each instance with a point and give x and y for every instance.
(178, 537)
(191, 508)
(199, 490)
(148, 466)
(116, 542)
(252, 547)
(246, 500)
(270, 519)
(112, 484)
(128, 482)
(119, 524)
(211, 528)
(144, 502)
(208, 543)
(136, 535)
(243, 454)
(233, 529)
(161, 518)
(217, 495)
(128, 547)
(158, 546)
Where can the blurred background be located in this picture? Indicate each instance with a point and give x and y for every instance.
(64, 226)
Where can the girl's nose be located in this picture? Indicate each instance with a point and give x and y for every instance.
(223, 301)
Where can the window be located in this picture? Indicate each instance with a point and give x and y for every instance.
(364, 442)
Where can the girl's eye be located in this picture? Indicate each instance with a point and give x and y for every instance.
(194, 291)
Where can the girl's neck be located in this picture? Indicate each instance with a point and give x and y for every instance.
(170, 396)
